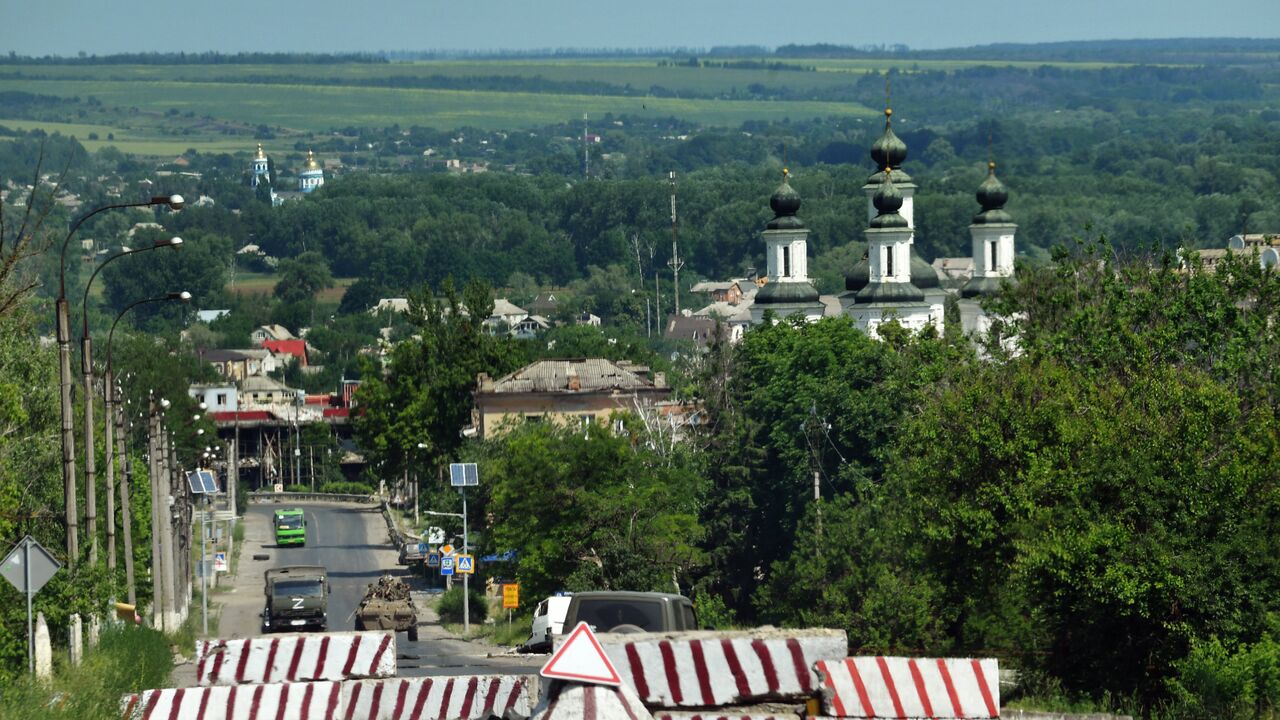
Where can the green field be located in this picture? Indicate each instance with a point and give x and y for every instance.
(219, 105)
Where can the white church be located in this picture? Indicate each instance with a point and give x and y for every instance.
(891, 282)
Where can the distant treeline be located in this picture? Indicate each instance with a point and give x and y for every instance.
(1176, 50)
(203, 58)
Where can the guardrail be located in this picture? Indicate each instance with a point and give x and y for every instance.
(296, 497)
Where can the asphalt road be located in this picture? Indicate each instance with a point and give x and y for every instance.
(351, 542)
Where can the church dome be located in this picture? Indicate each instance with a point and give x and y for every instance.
(785, 203)
(923, 275)
(887, 201)
(311, 161)
(260, 155)
(889, 151)
(992, 196)
(859, 276)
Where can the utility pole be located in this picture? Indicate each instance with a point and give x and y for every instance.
(171, 585)
(126, 522)
(586, 152)
(71, 514)
(90, 463)
(153, 474)
(675, 263)
(109, 420)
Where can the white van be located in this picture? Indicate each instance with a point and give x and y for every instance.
(548, 620)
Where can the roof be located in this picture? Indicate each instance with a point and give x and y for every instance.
(215, 355)
(592, 375)
(709, 286)
(276, 332)
(257, 383)
(393, 304)
(504, 307)
(698, 328)
(296, 348)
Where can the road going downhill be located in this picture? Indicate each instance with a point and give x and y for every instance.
(351, 543)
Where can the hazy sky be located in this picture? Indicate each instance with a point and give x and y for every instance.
(66, 27)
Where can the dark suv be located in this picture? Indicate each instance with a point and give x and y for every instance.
(630, 612)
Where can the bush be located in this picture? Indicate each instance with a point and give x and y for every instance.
(1220, 682)
(293, 487)
(127, 660)
(347, 488)
(450, 607)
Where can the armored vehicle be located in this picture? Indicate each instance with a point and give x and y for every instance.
(388, 606)
(297, 598)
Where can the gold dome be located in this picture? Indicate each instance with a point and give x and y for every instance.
(311, 161)
(261, 155)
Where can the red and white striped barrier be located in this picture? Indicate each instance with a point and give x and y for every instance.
(729, 714)
(899, 687)
(712, 669)
(289, 701)
(575, 701)
(296, 658)
(472, 697)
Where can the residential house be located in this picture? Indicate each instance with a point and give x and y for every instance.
(530, 327)
(217, 397)
(580, 391)
(270, 332)
(504, 317)
(290, 351)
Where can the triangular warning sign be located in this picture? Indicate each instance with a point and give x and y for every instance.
(581, 659)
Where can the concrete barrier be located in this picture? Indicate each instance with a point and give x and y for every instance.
(573, 701)
(296, 658)
(442, 698)
(733, 713)
(473, 697)
(713, 669)
(900, 687)
(286, 701)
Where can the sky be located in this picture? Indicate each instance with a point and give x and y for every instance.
(68, 27)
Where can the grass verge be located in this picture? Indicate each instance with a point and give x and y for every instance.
(126, 660)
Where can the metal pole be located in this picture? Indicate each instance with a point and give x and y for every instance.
(171, 585)
(31, 635)
(204, 569)
(466, 577)
(153, 472)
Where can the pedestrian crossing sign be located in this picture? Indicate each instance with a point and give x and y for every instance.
(466, 564)
(433, 560)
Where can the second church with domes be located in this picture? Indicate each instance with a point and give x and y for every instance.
(891, 282)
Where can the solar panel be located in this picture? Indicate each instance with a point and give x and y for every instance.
(202, 482)
(463, 475)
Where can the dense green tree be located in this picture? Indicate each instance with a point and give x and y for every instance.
(302, 277)
(198, 267)
(590, 510)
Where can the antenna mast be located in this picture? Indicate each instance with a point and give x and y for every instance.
(675, 263)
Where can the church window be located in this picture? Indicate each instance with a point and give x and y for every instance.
(992, 251)
(888, 262)
(786, 262)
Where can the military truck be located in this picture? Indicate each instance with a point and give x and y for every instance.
(297, 598)
(387, 606)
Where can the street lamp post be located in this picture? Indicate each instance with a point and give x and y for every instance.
(114, 416)
(63, 325)
(86, 359)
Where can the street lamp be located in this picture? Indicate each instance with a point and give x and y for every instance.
(114, 416)
(63, 325)
(86, 359)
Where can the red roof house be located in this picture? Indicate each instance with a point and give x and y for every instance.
(296, 348)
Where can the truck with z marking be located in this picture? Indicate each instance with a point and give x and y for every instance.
(297, 598)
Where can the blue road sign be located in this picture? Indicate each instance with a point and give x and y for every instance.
(446, 566)
(466, 564)
(423, 548)
(433, 560)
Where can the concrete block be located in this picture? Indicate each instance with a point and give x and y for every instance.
(474, 697)
(898, 687)
(296, 657)
(44, 648)
(75, 633)
(574, 701)
(713, 669)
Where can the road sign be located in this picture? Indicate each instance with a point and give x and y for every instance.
(278, 487)
(435, 535)
(446, 565)
(510, 596)
(220, 562)
(43, 566)
(463, 475)
(581, 659)
(466, 564)
(433, 560)
(446, 549)
(424, 548)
